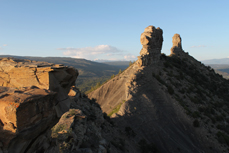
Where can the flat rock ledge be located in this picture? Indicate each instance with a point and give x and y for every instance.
(33, 96)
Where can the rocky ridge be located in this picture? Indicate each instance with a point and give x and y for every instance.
(42, 111)
(176, 102)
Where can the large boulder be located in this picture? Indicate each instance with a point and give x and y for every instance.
(24, 115)
(33, 96)
(19, 73)
(24, 73)
(151, 40)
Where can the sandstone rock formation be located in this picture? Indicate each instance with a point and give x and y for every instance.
(163, 102)
(20, 73)
(24, 115)
(33, 96)
(151, 40)
(177, 47)
(29, 121)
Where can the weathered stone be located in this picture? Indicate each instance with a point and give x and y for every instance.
(25, 73)
(151, 40)
(22, 112)
(20, 73)
(177, 47)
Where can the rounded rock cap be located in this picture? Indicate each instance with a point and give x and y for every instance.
(149, 29)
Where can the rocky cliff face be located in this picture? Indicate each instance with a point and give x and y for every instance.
(20, 73)
(24, 115)
(41, 111)
(169, 103)
(33, 96)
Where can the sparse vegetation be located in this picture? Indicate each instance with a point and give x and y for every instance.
(116, 109)
(57, 129)
(92, 88)
(170, 90)
(200, 91)
(196, 123)
(223, 138)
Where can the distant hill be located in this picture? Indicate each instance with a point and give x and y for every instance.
(222, 69)
(216, 61)
(121, 64)
(89, 72)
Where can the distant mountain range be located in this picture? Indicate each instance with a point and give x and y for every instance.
(90, 72)
(220, 66)
(216, 61)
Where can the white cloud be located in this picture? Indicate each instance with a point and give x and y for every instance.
(5, 45)
(91, 52)
(130, 57)
(101, 49)
(0, 48)
(98, 53)
(198, 46)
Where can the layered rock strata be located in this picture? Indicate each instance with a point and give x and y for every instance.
(24, 114)
(33, 95)
(20, 73)
(151, 40)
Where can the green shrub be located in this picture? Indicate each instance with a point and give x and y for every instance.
(112, 76)
(170, 90)
(195, 114)
(223, 138)
(196, 123)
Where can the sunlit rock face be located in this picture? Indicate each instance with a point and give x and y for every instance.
(33, 95)
(19, 73)
(24, 114)
(177, 47)
(151, 40)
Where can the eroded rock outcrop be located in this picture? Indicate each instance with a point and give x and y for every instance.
(25, 114)
(158, 103)
(33, 95)
(151, 40)
(30, 107)
(20, 73)
(177, 47)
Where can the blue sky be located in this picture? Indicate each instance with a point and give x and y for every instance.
(111, 29)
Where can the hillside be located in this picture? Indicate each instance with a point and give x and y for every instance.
(121, 64)
(43, 111)
(222, 69)
(174, 102)
(216, 61)
(89, 72)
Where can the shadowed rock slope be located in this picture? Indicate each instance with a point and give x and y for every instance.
(41, 111)
(174, 102)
